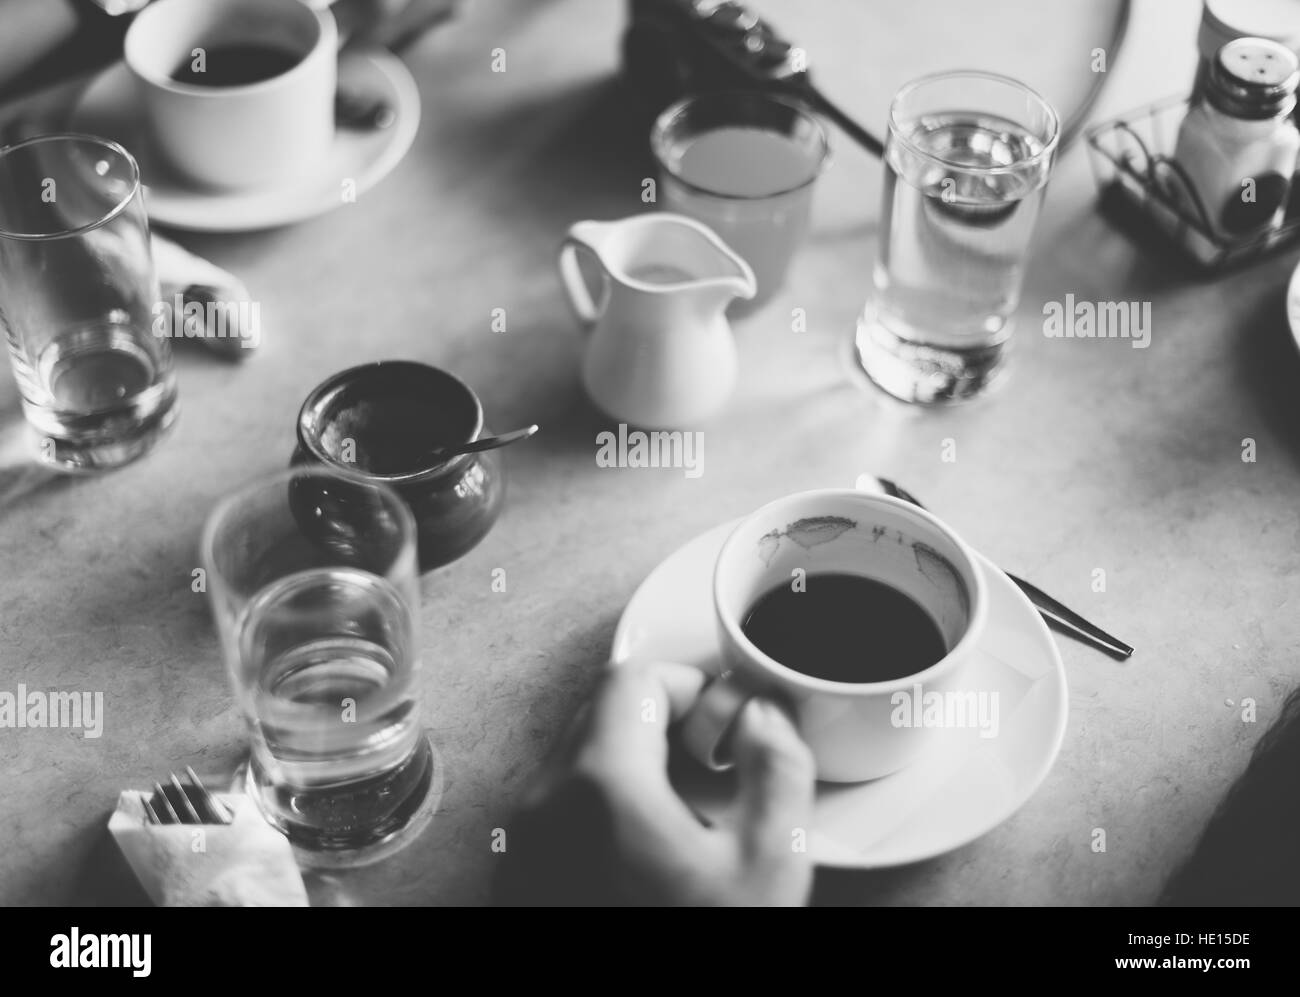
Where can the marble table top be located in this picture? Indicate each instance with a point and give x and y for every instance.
(1093, 456)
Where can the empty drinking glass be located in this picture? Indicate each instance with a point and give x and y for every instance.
(966, 164)
(312, 578)
(77, 302)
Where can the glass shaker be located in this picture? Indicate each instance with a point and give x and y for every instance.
(1237, 147)
(1224, 21)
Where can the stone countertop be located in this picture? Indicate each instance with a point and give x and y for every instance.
(1093, 455)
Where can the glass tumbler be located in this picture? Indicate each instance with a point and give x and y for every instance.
(745, 165)
(967, 160)
(312, 579)
(78, 299)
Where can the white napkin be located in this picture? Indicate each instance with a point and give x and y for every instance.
(246, 863)
(179, 269)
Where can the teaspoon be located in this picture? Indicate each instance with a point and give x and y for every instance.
(486, 443)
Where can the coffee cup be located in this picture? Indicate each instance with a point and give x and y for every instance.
(236, 94)
(902, 554)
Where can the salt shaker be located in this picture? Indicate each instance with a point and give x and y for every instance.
(1238, 146)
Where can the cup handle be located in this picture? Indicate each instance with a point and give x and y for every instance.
(706, 730)
(575, 285)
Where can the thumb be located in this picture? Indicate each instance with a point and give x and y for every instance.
(776, 780)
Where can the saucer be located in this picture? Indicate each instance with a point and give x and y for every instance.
(107, 107)
(963, 786)
(1293, 305)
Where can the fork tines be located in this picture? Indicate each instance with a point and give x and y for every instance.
(181, 803)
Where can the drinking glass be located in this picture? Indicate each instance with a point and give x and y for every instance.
(312, 578)
(744, 164)
(966, 164)
(77, 302)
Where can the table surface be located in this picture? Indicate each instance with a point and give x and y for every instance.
(1094, 455)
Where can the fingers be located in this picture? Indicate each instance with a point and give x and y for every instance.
(619, 734)
(706, 730)
(624, 749)
(776, 781)
(632, 710)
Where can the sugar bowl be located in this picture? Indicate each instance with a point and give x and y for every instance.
(384, 421)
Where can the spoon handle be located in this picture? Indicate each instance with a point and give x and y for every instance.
(488, 443)
(1059, 616)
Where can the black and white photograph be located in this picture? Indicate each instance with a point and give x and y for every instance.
(642, 453)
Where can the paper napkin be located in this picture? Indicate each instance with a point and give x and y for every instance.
(246, 863)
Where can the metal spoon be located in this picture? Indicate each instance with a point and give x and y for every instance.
(486, 443)
(1058, 616)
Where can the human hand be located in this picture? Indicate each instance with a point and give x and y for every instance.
(602, 824)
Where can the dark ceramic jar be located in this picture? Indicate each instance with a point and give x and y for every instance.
(380, 420)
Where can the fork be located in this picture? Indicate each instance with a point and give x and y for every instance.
(1058, 615)
(180, 804)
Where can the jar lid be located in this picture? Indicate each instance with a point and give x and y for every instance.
(1223, 21)
(1254, 78)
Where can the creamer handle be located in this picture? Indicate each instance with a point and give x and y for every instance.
(575, 285)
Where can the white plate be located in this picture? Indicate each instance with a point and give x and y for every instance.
(1293, 305)
(107, 107)
(965, 784)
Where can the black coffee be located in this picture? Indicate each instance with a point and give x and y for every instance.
(845, 628)
(236, 64)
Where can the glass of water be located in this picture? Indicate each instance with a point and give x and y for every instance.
(77, 302)
(966, 165)
(312, 578)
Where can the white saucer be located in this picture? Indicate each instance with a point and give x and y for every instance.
(1293, 305)
(107, 107)
(963, 787)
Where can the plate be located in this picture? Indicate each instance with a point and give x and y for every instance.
(962, 787)
(1293, 305)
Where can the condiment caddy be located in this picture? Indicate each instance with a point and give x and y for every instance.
(1141, 189)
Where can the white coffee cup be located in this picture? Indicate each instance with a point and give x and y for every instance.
(244, 136)
(851, 728)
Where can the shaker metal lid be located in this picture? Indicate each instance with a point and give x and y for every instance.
(1254, 78)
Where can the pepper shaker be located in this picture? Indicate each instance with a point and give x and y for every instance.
(1223, 21)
